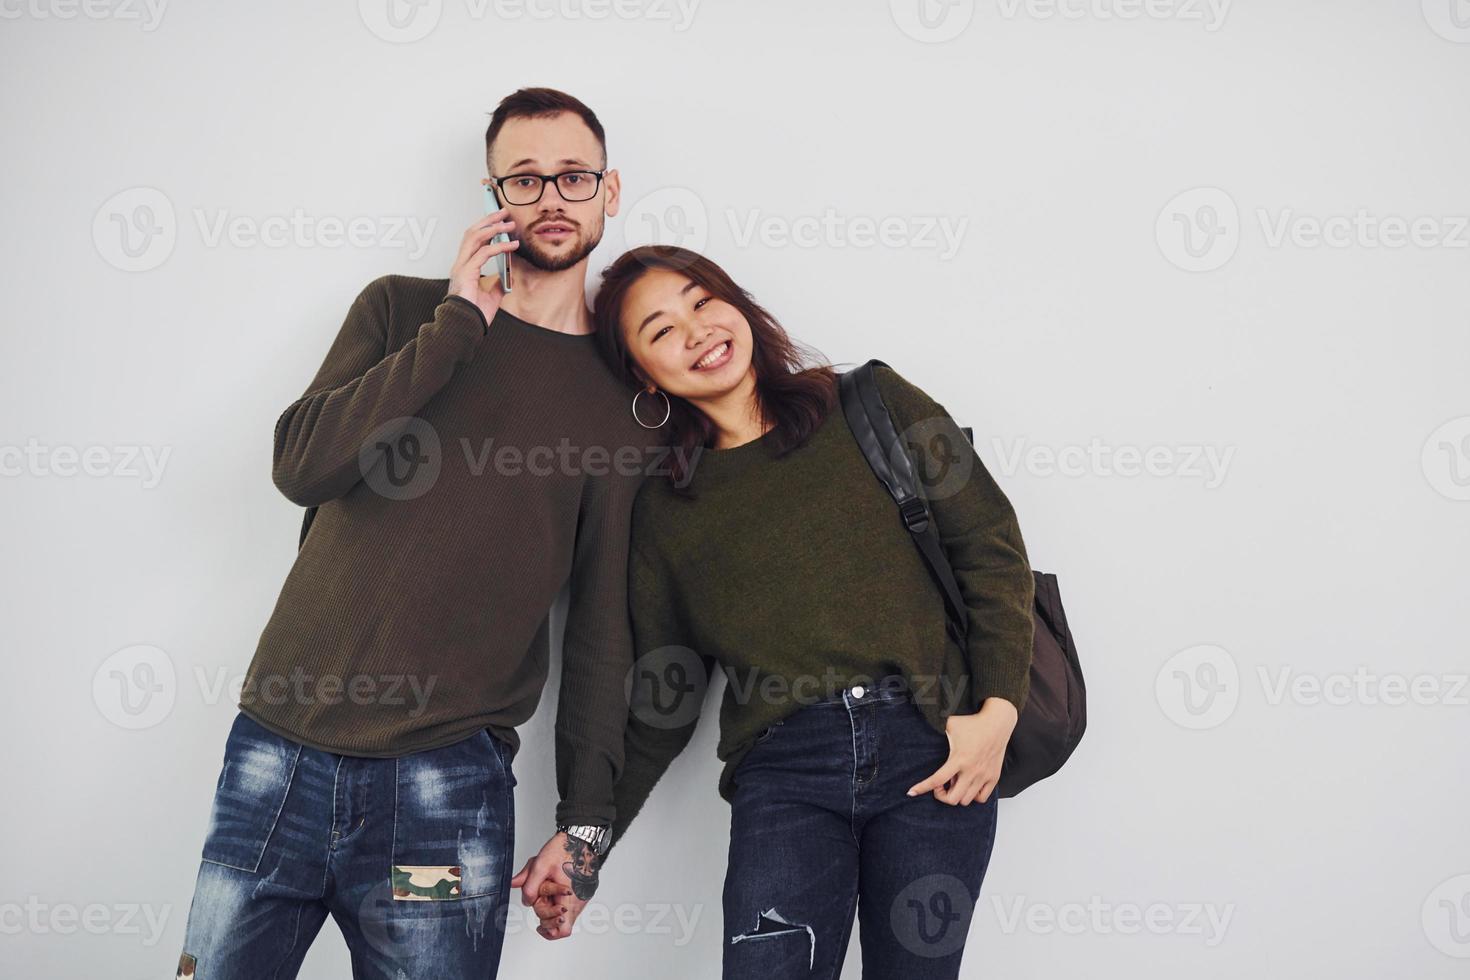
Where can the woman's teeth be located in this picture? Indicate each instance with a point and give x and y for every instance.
(714, 355)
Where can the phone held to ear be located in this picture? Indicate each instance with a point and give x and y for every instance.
(502, 261)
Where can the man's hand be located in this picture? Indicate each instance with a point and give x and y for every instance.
(475, 249)
(977, 750)
(558, 882)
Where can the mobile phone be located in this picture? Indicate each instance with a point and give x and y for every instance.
(502, 261)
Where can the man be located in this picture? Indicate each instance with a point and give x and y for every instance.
(466, 453)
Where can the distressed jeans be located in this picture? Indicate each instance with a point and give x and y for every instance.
(821, 828)
(410, 856)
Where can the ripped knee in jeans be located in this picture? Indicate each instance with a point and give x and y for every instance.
(771, 924)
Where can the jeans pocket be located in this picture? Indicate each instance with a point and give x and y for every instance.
(507, 754)
(452, 822)
(249, 795)
(766, 733)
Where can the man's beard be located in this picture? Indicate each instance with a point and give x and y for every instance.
(530, 252)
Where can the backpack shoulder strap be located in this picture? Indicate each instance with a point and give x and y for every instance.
(872, 426)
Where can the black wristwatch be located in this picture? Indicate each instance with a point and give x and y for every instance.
(596, 837)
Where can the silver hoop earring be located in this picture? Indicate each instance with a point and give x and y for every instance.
(667, 409)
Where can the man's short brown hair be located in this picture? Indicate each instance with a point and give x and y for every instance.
(539, 103)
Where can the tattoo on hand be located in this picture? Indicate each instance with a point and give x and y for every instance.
(581, 867)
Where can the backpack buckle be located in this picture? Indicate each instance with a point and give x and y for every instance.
(915, 514)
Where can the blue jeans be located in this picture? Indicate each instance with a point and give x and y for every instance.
(821, 827)
(411, 857)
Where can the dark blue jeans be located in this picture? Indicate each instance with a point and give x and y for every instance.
(821, 827)
(410, 856)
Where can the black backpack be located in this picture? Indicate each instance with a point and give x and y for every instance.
(1054, 716)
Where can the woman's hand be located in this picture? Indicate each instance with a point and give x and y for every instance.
(557, 908)
(558, 883)
(977, 750)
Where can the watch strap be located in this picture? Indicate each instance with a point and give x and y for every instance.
(595, 836)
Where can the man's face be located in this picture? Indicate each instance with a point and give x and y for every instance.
(555, 233)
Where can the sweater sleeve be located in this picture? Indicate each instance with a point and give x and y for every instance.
(597, 653)
(361, 386)
(668, 687)
(978, 529)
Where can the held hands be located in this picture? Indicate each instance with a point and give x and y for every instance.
(558, 882)
(977, 748)
(475, 249)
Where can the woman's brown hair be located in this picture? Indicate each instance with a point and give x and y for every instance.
(795, 388)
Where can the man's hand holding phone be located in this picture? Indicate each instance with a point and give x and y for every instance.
(477, 248)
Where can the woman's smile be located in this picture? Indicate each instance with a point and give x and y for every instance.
(715, 357)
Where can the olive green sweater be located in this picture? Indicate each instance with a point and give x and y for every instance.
(463, 473)
(797, 576)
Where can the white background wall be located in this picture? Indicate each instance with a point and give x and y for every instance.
(1082, 154)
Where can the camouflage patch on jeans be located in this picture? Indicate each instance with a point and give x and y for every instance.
(425, 883)
(186, 967)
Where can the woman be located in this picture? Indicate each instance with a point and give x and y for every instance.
(861, 746)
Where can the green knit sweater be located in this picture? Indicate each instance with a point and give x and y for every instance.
(797, 576)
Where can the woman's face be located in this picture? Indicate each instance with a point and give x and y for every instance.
(682, 338)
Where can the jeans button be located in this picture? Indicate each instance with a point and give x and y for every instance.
(859, 691)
